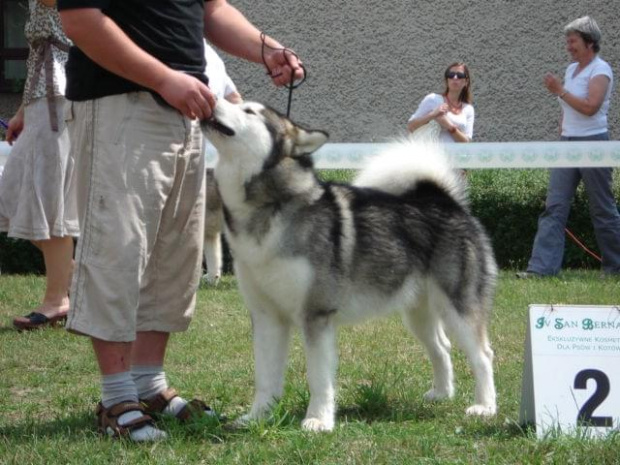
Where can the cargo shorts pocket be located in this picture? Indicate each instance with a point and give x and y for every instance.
(113, 241)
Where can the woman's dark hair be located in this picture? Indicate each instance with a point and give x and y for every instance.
(466, 94)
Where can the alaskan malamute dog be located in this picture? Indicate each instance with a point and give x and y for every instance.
(317, 255)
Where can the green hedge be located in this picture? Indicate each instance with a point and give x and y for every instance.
(19, 256)
(507, 202)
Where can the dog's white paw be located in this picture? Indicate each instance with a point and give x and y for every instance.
(242, 422)
(314, 424)
(211, 280)
(481, 410)
(436, 395)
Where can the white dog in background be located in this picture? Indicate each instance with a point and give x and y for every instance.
(223, 87)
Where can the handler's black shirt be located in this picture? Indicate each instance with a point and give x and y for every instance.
(170, 30)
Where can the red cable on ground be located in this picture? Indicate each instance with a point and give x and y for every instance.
(580, 244)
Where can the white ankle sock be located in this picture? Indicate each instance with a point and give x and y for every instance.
(118, 388)
(150, 380)
(144, 434)
(175, 406)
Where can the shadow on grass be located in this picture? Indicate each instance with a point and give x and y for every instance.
(417, 413)
(473, 427)
(83, 426)
(76, 425)
(505, 431)
(8, 329)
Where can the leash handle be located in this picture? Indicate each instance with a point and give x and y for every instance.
(291, 86)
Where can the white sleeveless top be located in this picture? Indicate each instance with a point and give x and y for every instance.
(575, 124)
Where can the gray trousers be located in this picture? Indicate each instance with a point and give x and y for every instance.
(548, 249)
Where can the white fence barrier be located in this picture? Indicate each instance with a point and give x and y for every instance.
(482, 154)
(473, 155)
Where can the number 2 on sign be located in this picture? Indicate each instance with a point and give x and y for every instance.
(585, 417)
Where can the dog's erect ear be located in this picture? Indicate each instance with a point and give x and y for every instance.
(309, 141)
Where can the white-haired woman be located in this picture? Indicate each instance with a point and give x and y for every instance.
(584, 97)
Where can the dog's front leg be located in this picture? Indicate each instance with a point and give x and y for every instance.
(271, 342)
(322, 362)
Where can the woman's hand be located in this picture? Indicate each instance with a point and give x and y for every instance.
(16, 126)
(553, 83)
(441, 110)
(444, 122)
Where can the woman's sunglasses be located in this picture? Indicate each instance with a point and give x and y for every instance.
(455, 74)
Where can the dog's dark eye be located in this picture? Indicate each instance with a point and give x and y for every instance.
(249, 111)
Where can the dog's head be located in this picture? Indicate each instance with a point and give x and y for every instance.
(257, 137)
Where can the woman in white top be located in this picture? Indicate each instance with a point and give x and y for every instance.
(584, 98)
(452, 110)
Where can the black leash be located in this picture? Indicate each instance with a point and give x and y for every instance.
(291, 86)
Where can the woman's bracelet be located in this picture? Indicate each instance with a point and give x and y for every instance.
(564, 92)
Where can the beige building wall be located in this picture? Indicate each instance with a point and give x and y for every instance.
(371, 62)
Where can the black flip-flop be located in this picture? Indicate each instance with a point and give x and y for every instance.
(35, 320)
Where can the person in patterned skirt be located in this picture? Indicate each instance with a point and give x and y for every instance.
(36, 190)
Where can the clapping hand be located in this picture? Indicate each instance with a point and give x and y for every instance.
(441, 110)
(553, 83)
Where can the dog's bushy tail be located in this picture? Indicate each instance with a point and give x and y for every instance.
(404, 164)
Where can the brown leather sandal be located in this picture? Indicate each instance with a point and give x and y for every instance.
(195, 408)
(107, 419)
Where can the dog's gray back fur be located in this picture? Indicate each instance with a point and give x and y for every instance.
(368, 239)
(388, 238)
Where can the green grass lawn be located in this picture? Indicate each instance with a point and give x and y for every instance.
(49, 387)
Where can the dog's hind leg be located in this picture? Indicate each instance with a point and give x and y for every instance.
(425, 324)
(322, 361)
(443, 339)
(213, 231)
(213, 257)
(472, 337)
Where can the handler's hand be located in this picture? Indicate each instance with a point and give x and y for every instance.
(188, 95)
(283, 63)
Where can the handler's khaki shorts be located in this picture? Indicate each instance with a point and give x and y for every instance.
(140, 185)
